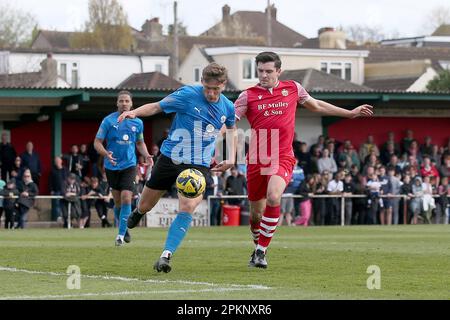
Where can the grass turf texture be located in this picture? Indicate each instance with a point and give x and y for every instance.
(304, 263)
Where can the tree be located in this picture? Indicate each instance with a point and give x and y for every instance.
(107, 28)
(16, 27)
(441, 82)
(437, 16)
(362, 34)
(182, 29)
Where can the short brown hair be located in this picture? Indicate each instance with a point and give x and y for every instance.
(215, 71)
(268, 56)
(125, 92)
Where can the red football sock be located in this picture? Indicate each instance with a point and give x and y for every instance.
(268, 226)
(254, 229)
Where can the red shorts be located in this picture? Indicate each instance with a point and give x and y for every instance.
(258, 177)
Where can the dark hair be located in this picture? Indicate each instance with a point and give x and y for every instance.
(215, 71)
(268, 56)
(125, 92)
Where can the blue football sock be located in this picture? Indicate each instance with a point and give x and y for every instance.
(125, 212)
(116, 216)
(177, 231)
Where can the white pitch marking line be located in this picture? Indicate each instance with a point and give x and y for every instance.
(49, 273)
(123, 293)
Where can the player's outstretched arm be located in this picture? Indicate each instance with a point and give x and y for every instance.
(146, 110)
(329, 109)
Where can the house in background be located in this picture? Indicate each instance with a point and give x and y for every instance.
(254, 24)
(240, 62)
(88, 68)
(439, 38)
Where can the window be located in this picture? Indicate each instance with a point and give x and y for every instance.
(249, 70)
(75, 79)
(4, 62)
(196, 74)
(158, 67)
(341, 69)
(63, 71)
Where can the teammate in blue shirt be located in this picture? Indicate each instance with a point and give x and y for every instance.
(201, 112)
(122, 139)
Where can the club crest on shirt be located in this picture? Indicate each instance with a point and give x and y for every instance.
(223, 119)
(284, 92)
(133, 128)
(125, 137)
(260, 97)
(209, 128)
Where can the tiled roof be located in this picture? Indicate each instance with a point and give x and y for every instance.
(27, 80)
(391, 84)
(282, 36)
(380, 53)
(443, 30)
(315, 80)
(150, 80)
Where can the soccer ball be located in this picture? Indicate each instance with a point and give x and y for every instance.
(191, 183)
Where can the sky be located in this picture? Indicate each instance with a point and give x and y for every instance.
(403, 18)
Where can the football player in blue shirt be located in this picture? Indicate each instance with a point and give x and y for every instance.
(122, 139)
(201, 112)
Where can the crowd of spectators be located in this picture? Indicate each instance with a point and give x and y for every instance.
(390, 178)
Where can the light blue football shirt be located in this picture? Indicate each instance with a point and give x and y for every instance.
(121, 140)
(196, 125)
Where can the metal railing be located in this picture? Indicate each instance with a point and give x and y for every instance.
(328, 196)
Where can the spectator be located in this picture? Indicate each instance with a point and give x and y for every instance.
(350, 155)
(31, 160)
(320, 204)
(386, 202)
(58, 177)
(335, 187)
(426, 148)
(74, 161)
(9, 203)
(444, 169)
(235, 184)
(320, 145)
(429, 170)
(331, 146)
(304, 159)
(27, 191)
(371, 161)
(315, 160)
(415, 151)
(160, 141)
(7, 156)
(2, 185)
(215, 203)
(396, 185)
(71, 202)
(394, 163)
(100, 203)
(406, 141)
(442, 203)
(403, 161)
(436, 155)
(296, 145)
(373, 201)
(387, 154)
(359, 214)
(428, 201)
(407, 192)
(85, 218)
(391, 139)
(367, 148)
(348, 190)
(289, 206)
(85, 161)
(94, 160)
(326, 163)
(154, 151)
(417, 200)
(306, 190)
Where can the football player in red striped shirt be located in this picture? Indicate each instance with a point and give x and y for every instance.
(270, 109)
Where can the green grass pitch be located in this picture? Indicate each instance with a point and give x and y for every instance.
(304, 263)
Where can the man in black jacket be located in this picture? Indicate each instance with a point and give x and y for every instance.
(7, 156)
(58, 176)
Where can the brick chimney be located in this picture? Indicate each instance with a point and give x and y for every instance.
(329, 38)
(152, 29)
(226, 12)
(273, 12)
(49, 72)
